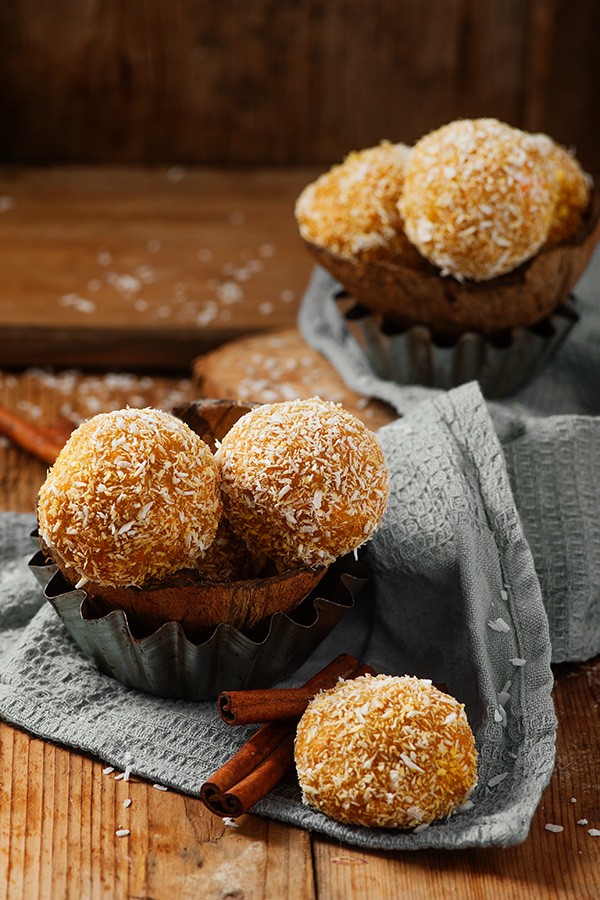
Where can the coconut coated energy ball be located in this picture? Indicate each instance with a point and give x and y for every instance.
(479, 197)
(133, 496)
(303, 481)
(352, 211)
(393, 752)
(573, 188)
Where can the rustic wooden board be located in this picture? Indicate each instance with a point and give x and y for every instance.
(144, 269)
(269, 368)
(59, 812)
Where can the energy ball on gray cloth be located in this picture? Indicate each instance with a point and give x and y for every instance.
(393, 752)
(132, 497)
(303, 481)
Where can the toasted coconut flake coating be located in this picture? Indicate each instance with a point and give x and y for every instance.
(393, 752)
(573, 192)
(133, 496)
(229, 558)
(479, 197)
(352, 210)
(303, 481)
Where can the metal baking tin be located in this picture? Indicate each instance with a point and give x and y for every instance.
(413, 356)
(167, 664)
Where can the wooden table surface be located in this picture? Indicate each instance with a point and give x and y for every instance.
(58, 811)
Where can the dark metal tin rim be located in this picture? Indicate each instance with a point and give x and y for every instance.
(167, 663)
(501, 364)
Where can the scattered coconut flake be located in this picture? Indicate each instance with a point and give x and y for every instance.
(554, 828)
(422, 827)
(266, 308)
(160, 787)
(237, 217)
(573, 799)
(499, 625)
(175, 174)
(497, 779)
(517, 661)
(498, 716)
(266, 250)
(82, 581)
(582, 821)
(7, 203)
(154, 246)
(227, 820)
(108, 770)
(465, 807)
(594, 832)
(122, 832)
(127, 803)
(287, 296)
(81, 304)
(504, 595)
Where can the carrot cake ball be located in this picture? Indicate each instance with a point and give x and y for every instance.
(229, 558)
(303, 481)
(132, 497)
(479, 198)
(573, 187)
(393, 752)
(352, 210)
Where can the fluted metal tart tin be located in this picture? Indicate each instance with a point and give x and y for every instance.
(414, 355)
(167, 663)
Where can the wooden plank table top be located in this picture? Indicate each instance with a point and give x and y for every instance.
(144, 268)
(59, 812)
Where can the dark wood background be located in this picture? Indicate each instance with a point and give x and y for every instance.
(286, 81)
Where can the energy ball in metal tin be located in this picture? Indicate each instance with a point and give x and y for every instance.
(393, 752)
(132, 497)
(303, 481)
(352, 210)
(573, 192)
(479, 198)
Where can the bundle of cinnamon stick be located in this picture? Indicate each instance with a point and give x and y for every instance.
(265, 759)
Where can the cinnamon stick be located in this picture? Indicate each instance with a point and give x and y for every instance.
(264, 760)
(276, 704)
(43, 443)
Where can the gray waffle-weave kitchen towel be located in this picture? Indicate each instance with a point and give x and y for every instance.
(550, 435)
(454, 596)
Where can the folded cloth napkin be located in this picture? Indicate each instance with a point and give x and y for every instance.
(550, 436)
(454, 597)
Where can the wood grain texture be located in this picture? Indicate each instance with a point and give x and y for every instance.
(128, 268)
(298, 81)
(58, 821)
